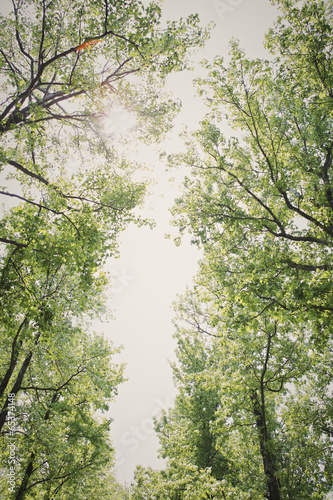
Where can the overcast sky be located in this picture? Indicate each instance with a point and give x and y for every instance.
(151, 270)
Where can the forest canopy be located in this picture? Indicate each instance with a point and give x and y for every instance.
(252, 418)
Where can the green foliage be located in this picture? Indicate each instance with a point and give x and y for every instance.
(253, 407)
(63, 68)
(253, 414)
(179, 481)
(58, 440)
(265, 196)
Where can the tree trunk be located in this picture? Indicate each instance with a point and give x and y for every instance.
(13, 359)
(28, 472)
(29, 469)
(267, 458)
(15, 389)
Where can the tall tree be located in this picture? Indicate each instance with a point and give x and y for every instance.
(266, 194)
(245, 420)
(187, 432)
(56, 435)
(59, 84)
(259, 204)
(64, 67)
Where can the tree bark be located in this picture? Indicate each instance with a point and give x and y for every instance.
(16, 388)
(267, 457)
(28, 472)
(13, 358)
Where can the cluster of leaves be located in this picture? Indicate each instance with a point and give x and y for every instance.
(254, 373)
(64, 66)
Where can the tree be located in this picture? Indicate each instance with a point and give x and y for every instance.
(58, 439)
(49, 55)
(68, 222)
(265, 195)
(64, 65)
(58, 90)
(180, 480)
(187, 432)
(259, 205)
(244, 413)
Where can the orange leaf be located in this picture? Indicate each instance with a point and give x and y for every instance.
(88, 43)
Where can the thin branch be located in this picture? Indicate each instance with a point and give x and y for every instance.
(19, 41)
(28, 172)
(42, 207)
(55, 389)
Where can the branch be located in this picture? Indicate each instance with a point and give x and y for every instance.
(283, 233)
(13, 242)
(56, 389)
(13, 358)
(28, 172)
(122, 37)
(16, 387)
(303, 214)
(19, 41)
(309, 239)
(200, 329)
(40, 52)
(326, 166)
(255, 134)
(23, 95)
(305, 267)
(42, 207)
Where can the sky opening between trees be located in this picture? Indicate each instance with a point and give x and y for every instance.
(252, 418)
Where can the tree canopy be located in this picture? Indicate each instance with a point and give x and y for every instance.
(65, 65)
(253, 415)
(266, 193)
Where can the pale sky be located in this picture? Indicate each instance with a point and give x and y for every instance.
(152, 270)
